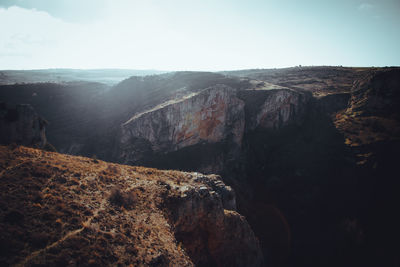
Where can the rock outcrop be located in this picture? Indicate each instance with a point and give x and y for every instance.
(274, 109)
(68, 210)
(373, 112)
(21, 124)
(377, 94)
(205, 220)
(218, 114)
(210, 116)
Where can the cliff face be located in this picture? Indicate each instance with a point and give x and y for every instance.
(377, 94)
(21, 125)
(274, 109)
(215, 115)
(205, 221)
(209, 116)
(67, 210)
(373, 113)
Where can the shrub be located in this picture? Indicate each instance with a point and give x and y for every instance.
(125, 199)
(116, 197)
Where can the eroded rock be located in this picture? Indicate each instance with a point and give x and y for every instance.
(210, 116)
(274, 109)
(212, 232)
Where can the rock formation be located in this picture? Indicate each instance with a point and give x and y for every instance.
(373, 114)
(377, 94)
(274, 109)
(206, 222)
(20, 124)
(218, 114)
(210, 116)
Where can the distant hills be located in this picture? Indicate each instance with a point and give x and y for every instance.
(107, 76)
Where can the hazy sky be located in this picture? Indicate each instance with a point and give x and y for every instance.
(198, 34)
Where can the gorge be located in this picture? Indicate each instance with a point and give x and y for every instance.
(308, 155)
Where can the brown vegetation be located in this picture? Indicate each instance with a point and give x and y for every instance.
(58, 210)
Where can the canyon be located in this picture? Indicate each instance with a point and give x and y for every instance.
(309, 154)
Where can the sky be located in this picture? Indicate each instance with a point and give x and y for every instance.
(198, 34)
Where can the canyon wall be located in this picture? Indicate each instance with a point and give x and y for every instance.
(210, 116)
(216, 116)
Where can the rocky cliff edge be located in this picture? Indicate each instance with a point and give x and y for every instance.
(218, 114)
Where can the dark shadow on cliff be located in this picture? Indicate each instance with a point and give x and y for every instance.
(205, 157)
(302, 188)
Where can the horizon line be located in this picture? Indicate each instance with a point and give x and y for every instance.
(200, 70)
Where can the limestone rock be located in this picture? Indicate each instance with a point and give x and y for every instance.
(226, 193)
(212, 232)
(274, 109)
(210, 116)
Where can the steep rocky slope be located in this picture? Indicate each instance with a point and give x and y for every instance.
(22, 125)
(210, 116)
(213, 120)
(63, 210)
(273, 109)
(373, 113)
(371, 128)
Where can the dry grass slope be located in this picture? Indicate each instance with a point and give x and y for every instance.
(60, 210)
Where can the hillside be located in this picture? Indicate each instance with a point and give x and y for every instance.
(69, 108)
(106, 76)
(320, 81)
(64, 210)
